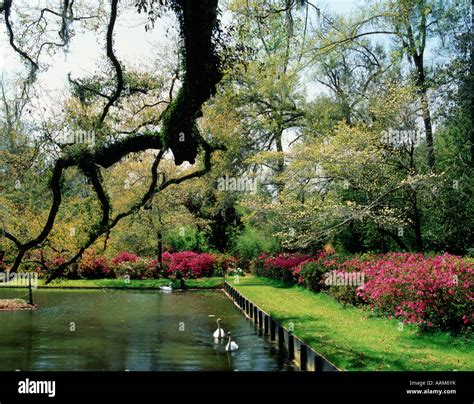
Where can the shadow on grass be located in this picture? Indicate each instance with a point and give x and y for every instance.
(314, 332)
(442, 340)
(265, 282)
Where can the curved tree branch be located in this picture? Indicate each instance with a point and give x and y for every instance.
(6, 8)
(198, 22)
(111, 55)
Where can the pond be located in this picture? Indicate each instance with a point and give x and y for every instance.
(130, 330)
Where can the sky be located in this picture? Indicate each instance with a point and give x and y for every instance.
(87, 49)
(132, 45)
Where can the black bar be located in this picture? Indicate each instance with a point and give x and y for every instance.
(292, 387)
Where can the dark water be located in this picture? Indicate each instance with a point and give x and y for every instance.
(134, 330)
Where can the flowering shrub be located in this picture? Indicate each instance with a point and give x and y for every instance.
(95, 267)
(433, 292)
(125, 257)
(224, 263)
(133, 266)
(310, 274)
(44, 262)
(191, 264)
(282, 266)
(139, 269)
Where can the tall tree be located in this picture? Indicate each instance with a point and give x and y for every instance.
(178, 131)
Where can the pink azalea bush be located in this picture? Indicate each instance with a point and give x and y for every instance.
(194, 265)
(279, 267)
(95, 267)
(125, 257)
(310, 272)
(44, 262)
(432, 292)
(191, 264)
(133, 266)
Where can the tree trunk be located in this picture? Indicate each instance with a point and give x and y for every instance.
(160, 251)
(471, 83)
(281, 160)
(425, 107)
(428, 128)
(417, 225)
(394, 237)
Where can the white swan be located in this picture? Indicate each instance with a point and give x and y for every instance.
(231, 345)
(168, 288)
(219, 333)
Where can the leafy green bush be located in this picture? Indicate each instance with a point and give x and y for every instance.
(311, 275)
(345, 294)
(250, 243)
(470, 252)
(257, 267)
(223, 263)
(135, 270)
(186, 239)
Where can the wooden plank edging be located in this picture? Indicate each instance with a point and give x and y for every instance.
(296, 350)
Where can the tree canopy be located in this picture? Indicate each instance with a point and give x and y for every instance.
(277, 124)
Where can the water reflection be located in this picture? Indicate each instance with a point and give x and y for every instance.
(135, 330)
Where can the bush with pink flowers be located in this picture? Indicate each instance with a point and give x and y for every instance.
(310, 273)
(125, 257)
(280, 267)
(191, 264)
(130, 265)
(95, 267)
(432, 292)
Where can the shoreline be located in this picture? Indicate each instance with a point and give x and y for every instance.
(15, 305)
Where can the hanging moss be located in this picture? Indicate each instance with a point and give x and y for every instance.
(198, 23)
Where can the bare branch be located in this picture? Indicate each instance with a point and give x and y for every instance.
(113, 59)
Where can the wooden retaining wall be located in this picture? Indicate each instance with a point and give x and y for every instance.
(305, 358)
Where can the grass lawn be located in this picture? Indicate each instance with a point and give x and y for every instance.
(202, 283)
(350, 337)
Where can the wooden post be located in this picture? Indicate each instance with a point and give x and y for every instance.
(291, 347)
(318, 363)
(272, 329)
(310, 360)
(30, 291)
(281, 337)
(265, 324)
(303, 356)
